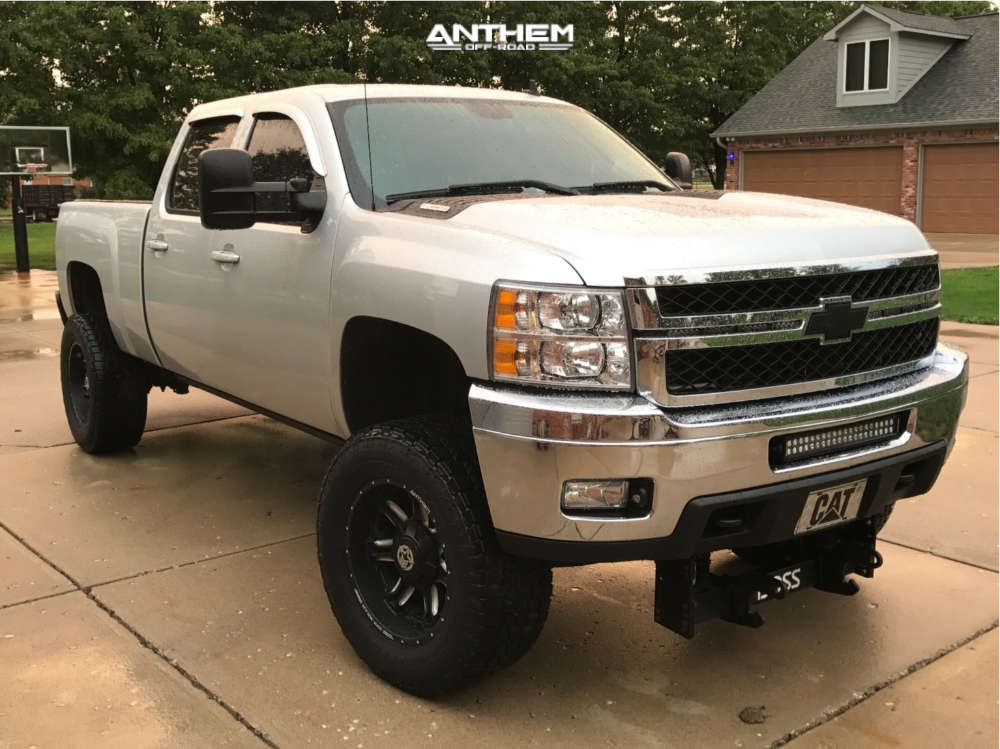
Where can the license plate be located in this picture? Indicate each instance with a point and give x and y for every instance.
(828, 507)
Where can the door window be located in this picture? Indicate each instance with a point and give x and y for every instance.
(218, 132)
(279, 154)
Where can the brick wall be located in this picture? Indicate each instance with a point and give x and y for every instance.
(910, 140)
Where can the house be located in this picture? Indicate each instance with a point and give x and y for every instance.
(888, 110)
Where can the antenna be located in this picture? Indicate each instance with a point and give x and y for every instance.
(368, 135)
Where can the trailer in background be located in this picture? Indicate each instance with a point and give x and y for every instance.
(41, 202)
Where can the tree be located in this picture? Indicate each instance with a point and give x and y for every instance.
(123, 75)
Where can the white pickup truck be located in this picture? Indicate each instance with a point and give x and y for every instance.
(541, 348)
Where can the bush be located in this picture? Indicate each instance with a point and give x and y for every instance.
(126, 184)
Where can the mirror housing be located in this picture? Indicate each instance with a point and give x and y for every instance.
(228, 193)
(226, 188)
(678, 168)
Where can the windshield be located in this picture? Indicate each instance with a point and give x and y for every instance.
(419, 145)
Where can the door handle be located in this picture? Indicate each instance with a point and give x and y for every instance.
(225, 256)
(157, 245)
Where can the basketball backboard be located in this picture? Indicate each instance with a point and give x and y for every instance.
(35, 150)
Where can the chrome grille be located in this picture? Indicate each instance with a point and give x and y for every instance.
(708, 338)
(799, 291)
(710, 370)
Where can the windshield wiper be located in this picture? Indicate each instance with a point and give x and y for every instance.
(483, 188)
(635, 185)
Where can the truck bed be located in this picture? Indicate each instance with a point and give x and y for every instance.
(108, 236)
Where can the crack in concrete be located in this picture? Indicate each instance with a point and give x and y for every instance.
(874, 689)
(939, 556)
(209, 420)
(148, 644)
(26, 601)
(191, 678)
(192, 562)
(143, 573)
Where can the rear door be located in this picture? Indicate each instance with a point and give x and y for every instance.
(182, 286)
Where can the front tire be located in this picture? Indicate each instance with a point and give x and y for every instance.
(411, 566)
(103, 392)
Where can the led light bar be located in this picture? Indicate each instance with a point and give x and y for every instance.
(796, 448)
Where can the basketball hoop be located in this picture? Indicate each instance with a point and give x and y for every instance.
(34, 168)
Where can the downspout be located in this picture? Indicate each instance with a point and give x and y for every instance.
(724, 147)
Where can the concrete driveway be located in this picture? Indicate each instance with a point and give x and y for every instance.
(170, 597)
(965, 250)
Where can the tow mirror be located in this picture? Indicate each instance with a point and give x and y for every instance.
(227, 198)
(678, 168)
(229, 194)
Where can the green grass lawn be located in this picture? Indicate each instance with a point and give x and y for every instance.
(970, 295)
(41, 246)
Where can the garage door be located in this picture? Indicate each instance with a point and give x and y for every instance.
(960, 189)
(869, 177)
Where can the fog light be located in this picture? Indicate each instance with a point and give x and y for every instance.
(595, 495)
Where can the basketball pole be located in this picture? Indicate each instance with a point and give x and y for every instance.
(20, 227)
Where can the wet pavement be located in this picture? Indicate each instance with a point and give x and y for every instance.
(169, 596)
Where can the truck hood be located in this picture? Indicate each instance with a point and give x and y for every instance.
(613, 240)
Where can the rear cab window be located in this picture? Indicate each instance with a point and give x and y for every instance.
(217, 132)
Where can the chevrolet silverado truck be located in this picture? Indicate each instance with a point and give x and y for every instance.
(541, 349)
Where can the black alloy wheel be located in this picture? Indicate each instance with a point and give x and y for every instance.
(397, 562)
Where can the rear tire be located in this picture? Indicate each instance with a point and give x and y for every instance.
(104, 393)
(411, 565)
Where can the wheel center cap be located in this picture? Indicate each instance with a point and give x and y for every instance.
(404, 557)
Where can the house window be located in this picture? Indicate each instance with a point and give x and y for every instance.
(867, 66)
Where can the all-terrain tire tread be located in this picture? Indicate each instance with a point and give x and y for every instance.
(118, 389)
(513, 595)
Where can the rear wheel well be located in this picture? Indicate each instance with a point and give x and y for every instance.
(85, 291)
(393, 371)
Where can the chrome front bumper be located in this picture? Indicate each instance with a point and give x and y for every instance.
(530, 443)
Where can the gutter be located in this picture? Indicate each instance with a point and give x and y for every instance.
(854, 128)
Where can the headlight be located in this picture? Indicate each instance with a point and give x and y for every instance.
(568, 337)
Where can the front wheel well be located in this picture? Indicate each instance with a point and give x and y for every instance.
(390, 371)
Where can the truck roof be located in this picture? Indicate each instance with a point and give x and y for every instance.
(340, 92)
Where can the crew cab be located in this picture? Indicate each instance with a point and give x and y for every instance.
(541, 348)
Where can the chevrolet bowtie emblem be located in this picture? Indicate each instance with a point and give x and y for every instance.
(836, 320)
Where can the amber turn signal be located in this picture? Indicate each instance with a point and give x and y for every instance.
(506, 299)
(504, 352)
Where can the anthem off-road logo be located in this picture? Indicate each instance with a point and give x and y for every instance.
(520, 37)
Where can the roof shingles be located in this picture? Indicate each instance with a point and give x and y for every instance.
(937, 24)
(962, 88)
